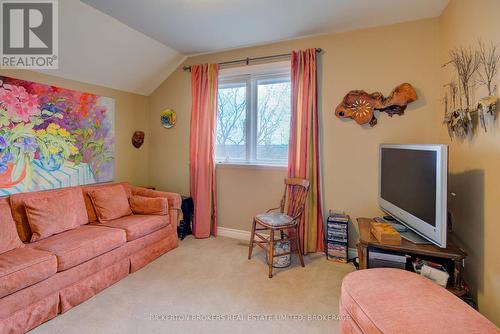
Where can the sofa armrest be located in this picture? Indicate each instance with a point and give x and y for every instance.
(174, 200)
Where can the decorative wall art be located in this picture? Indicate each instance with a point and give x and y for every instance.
(52, 137)
(168, 118)
(360, 105)
(138, 139)
(475, 70)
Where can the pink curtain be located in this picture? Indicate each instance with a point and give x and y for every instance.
(204, 83)
(303, 156)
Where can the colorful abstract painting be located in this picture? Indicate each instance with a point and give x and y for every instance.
(52, 137)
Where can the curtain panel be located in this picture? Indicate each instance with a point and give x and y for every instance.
(303, 155)
(204, 85)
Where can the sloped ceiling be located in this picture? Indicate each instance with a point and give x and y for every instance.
(199, 26)
(133, 45)
(98, 49)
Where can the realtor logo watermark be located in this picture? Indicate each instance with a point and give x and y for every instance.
(29, 33)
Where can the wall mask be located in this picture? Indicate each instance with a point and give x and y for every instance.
(138, 139)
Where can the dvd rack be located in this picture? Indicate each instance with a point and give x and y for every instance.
(336, 237)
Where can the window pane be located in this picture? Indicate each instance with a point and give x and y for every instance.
(273, 120)
(231, 120)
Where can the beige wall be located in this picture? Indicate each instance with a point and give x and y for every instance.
(375, 60)
(244, 191)
(475, 163)
(131, 164)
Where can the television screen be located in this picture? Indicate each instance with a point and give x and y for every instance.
(408, 180)
(413, 188)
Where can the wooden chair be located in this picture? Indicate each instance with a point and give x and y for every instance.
(285, 220)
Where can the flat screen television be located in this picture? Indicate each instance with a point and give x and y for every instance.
(413, 188)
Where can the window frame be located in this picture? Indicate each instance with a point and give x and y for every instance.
(251, 81)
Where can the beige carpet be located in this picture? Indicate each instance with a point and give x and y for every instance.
(212, 277)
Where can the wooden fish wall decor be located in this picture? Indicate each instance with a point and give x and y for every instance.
(360, 106)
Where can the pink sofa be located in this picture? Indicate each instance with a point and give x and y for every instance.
(39, 280)
(398, 301)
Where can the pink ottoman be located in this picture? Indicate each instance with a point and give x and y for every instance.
(398, 301)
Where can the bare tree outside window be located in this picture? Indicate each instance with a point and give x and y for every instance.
(273, 121)
(253, 119)
(231, 119)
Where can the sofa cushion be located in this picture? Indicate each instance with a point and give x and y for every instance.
(136, 226)
(110, 202)
(22, 267)
(174, 200)
(82, 244)
(51, 215)
(9, 239)
(417, 305)
(88, 202)
(19, 210)
(142, 205)
(89, 206)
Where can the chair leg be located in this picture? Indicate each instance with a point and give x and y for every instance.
(252, 237)
(299, 249)
(271, 253)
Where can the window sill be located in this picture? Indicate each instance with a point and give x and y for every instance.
(249, 165)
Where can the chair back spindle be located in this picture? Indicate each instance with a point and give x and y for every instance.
(294, 197)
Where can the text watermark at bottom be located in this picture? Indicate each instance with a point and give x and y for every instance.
(248, 317)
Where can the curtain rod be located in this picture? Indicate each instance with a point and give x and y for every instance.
(247, 60)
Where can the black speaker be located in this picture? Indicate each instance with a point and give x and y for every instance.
(187, 208)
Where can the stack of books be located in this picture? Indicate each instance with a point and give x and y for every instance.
(336, 237)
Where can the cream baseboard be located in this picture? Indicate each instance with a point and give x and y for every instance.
(245, 235)
(233, 233)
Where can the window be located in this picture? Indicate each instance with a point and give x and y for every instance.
(253, 118)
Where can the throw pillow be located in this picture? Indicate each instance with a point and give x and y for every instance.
(110, 202)
(9, 239)
(51, 215)
(148, 205)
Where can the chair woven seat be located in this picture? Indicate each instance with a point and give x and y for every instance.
(275, 219)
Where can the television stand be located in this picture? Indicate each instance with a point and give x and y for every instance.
(451, 253)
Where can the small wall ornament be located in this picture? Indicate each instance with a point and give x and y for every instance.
(360, 105)
(138, 139)
(168, 118)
